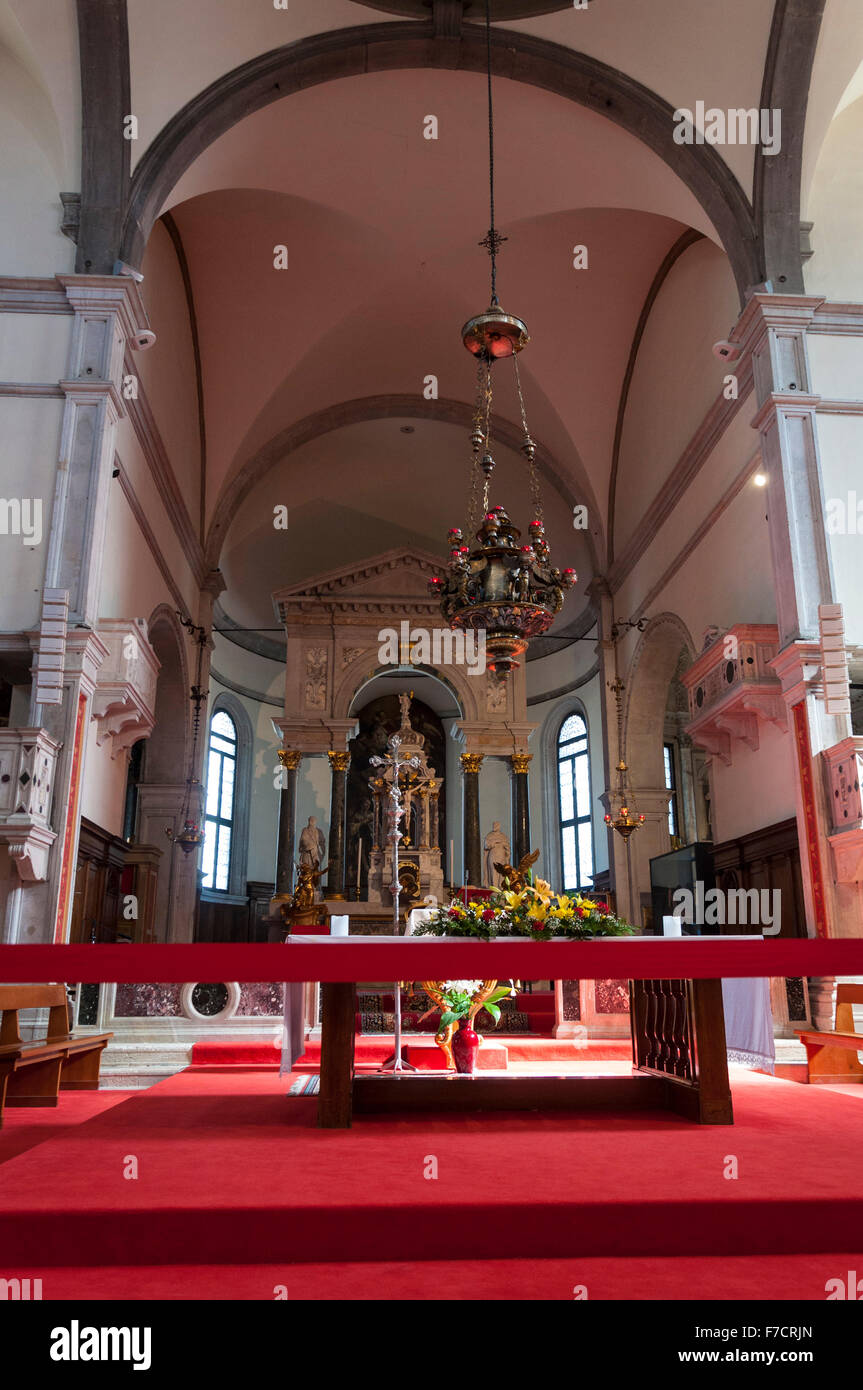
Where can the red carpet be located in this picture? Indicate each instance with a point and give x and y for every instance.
(769, 1277)
(371, 1050)
(25, 1127)
(232, 1172)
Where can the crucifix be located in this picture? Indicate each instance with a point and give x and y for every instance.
(394, 764)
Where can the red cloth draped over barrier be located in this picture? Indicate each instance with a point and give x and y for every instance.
(435, 958)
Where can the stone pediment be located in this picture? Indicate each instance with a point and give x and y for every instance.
(396, 580)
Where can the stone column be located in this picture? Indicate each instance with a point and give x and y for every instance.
(619, 858)
(108, 313)
(470, 766)
(774, 330)
(336, 878)
(290, 759)
(520, 805)
(434, 834)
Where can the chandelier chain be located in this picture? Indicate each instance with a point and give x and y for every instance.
(493, 239)
(529, 449)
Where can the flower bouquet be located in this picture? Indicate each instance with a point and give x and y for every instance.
(534, 911)
(459, 1001)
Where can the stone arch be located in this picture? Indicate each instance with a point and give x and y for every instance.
(406, 45)
(352, 684)
(166, 757)
(653, 667)
(379, 408)
(777, 186)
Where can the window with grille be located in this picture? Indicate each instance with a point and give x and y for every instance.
(576, 823)
(219, 802)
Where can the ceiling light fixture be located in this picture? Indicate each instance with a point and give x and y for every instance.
(508, 591)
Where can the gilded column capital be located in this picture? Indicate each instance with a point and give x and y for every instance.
(471, 762)
(290, 758)
(338, 761)
(521, 762)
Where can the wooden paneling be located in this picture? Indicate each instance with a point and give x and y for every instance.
(97, 906)
(765, 859)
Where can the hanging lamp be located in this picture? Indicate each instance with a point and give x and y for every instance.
(191, 836)
(623, 814)
(508, 590)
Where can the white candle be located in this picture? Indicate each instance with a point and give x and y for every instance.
(359, 859)
(671, 926)
(339, 926)
(452, 863)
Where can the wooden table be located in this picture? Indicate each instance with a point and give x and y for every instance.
(677, 1021)
(678, 1039)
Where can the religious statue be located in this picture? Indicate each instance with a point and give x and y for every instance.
(496, 847)
(516, 878)
(312, 848)
(303, 908)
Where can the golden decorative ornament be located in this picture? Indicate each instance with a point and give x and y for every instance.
(290, 758)
(521, 762)
(443, 1037)
(471, 762)
(339, 761)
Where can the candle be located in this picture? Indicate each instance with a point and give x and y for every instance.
(452, 864)
(339, 926)
(359, 859)
(671, 926)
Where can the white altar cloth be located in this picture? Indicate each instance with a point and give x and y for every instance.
(749, 1023)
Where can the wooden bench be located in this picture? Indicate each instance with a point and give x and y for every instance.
(833, 1056)
(33, 1073)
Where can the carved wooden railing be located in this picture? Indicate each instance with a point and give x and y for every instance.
(678, 1034)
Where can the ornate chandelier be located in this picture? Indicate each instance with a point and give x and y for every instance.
(509, 591)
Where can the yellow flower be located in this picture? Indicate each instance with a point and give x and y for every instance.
(543, 890)
(564, 904)
(513, 900)
(539, 910)
(588, 905)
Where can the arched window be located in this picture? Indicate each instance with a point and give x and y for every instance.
(219, 805)
(576, 824)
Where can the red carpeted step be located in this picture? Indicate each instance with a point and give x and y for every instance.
(238, 1052)
(421, 1051)
(234, 1171)
(756, 1277)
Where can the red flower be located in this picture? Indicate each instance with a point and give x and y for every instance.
(537, 924)
(452, 913)
(488, 915)
(581, 912)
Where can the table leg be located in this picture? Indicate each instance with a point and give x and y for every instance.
(708, 1027)
(338, 1016)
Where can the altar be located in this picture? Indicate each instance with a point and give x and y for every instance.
(677, 1026)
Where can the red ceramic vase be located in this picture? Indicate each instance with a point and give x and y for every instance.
(465, 1045)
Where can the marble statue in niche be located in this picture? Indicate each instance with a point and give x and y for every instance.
(497, 849)
(312, 848)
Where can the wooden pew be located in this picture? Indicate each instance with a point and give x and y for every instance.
(833, 1056)
(33, 1073)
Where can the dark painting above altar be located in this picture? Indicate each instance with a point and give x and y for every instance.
(379, 719)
